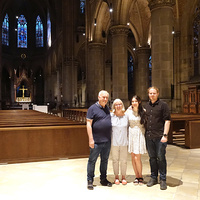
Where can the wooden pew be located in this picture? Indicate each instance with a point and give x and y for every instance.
(78, 115)
(184, 130)
(32, 136)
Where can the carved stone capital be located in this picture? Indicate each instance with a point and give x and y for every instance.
(143, 50)
(96, 45)
(119, 30)
(160, 3)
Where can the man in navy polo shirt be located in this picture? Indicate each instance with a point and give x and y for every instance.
(99, 133)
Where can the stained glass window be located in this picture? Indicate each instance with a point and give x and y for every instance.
(130, 76)
(39, 32)
(5, 31)
(48, 30)
(150, 71)
(82, 6)
(22, 32)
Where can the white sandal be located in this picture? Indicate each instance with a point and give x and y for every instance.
(124, 182)
(117, 181)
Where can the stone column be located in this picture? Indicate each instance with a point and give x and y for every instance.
(108, 78)
(83, 91)
(119, 63)
(162, 20)
(67, 82)
(142, 72)
(74, 84)
(95, 71)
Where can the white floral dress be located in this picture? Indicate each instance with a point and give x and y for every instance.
(137, 144)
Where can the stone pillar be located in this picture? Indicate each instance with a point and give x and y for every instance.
(95, 71)
(162, 20)
(74, 84)
(142, 73)
(108, 78)
(67, 82)
(119, 63)
(83, 91)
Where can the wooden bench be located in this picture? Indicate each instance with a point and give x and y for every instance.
(31, 136)
(183, 130)
(78, 115)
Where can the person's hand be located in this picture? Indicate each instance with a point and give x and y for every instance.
(164, 139)
(129, 108)
(91, 143)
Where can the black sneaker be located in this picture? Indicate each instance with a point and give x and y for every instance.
(152, 182)
(163, 185)
(90, 185)
(105, 182)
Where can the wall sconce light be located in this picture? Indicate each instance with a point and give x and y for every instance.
(173, 32)
(95, 22)
(110, 8)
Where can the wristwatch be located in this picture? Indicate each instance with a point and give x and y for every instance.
(165, 135)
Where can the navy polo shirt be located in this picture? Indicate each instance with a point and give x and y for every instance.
(157, 113)
(101, 124)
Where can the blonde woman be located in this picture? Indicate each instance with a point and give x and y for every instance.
(119, 140)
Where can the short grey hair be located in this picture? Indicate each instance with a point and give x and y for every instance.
(102, 92)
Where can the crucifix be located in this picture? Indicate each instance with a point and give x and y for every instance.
(23, 89)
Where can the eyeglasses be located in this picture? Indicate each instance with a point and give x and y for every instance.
(118, 104)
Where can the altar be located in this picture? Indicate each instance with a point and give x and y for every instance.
(24, 99)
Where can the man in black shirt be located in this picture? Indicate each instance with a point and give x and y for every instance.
(158, 124)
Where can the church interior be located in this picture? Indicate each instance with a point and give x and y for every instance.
(60, 54)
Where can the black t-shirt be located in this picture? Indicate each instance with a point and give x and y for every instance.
(101, 124)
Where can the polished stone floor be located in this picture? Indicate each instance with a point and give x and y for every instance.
(64, 179)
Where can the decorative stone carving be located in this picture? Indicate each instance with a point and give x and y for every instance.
(118, 30)
(160, 3)
(96, 45)
(143, 50)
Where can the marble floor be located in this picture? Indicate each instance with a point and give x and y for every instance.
(64, 179)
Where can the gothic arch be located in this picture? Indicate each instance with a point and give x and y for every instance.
(102, 19)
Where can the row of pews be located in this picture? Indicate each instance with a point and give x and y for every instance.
(28, 135)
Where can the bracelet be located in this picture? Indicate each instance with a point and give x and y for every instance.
(165, 135)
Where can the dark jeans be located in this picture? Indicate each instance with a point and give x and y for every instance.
(102, 149)
(157, 150)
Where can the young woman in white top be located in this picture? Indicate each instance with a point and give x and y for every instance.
(119, 140)
(137, 144)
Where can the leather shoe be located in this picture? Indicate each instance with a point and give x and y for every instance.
(105, 182)
(90, 185)
(152, 182)
(163, 185)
